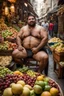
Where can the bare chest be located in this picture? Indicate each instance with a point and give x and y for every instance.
(33, 33)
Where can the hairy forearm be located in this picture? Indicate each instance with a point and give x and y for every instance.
(19, 42)
(42, 43)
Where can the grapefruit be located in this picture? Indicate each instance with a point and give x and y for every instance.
(54, 91)
(17, 88)
(7, 92)
(26, 92)
(21, 82)
(46, 93)
(40, 83)
(37, 89)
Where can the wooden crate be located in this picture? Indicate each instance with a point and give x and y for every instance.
(58, 56)
(6, 52)
(13, 40)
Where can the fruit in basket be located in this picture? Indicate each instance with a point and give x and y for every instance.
(17, 88)
(54, 91)
(41, 77)
(18, 72)
(46, 79)
(47, 88)
(28, 86)
(7, 92)
(46, 93)
(21, 82)
(11, 84)
(32, 93)
(37, 89)
(40, 83)
(45, 82)
(26, 92)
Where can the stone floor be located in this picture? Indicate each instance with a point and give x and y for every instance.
(52, 74)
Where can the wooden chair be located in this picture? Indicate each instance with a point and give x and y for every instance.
(33, 64)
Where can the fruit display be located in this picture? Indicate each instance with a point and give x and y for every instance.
(4, 45)
(23, 69)
(9, 33)
(3, 26)
(56, 44)
(7, 46)
(25, 85)
(6, 33)
(31, 73)
(4, 71)
(55, 39)
(5, 60)
(58, 47)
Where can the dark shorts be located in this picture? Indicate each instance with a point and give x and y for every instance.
(30, 53)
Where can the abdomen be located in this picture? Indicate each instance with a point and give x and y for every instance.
(30, 42)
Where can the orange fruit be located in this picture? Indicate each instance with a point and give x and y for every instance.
(54, 91)
(17, 72)
(46, 93)
(40, 78)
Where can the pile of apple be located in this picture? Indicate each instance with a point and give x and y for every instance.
(42, 86)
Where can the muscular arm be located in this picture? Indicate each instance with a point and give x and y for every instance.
(44, 37)
(19, 41)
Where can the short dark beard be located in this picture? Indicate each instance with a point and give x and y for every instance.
(32, 25)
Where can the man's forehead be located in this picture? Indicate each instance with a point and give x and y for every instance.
(31, 17)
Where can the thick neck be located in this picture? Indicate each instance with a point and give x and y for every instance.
(31, 27)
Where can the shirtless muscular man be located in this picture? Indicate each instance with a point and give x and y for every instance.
(31, 41)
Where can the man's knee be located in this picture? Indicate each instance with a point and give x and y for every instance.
(44, 57)
(14, 53)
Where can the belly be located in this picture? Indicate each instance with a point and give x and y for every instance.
(30, 42)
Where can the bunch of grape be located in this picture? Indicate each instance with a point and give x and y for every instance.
(11, 78)
(7, 80)
(29, 80)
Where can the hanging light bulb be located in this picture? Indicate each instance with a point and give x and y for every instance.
(12, 1)
(6, 10)
(25, 4)
(12, 8)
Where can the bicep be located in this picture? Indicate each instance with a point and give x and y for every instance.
(20, 33)
(43, 33)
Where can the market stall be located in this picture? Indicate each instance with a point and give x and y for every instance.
(56, 45)
(25, 82)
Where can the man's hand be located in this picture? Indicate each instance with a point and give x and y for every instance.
(34, 50)
(20, 48)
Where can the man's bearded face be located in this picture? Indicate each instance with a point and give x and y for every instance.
(31, 21)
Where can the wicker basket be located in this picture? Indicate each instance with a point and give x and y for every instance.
(61, 92)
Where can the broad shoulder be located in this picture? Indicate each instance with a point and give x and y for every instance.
(24, 27)
(40, 27)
